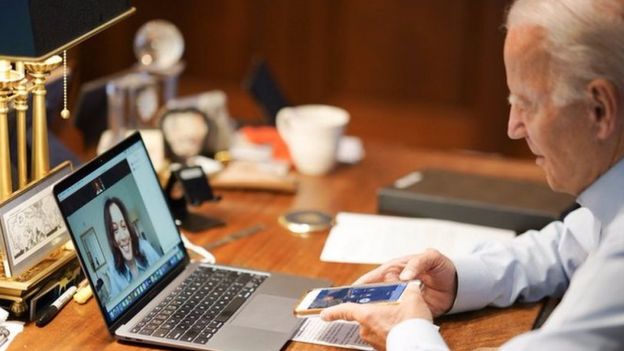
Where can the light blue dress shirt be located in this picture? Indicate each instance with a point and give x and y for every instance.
(583, 257)
(120, 281)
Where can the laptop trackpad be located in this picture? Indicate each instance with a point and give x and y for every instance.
(267, 312)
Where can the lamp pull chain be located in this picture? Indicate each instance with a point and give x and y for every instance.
(65, 111)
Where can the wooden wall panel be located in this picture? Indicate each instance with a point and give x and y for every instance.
(413, 56)
(404, 50)
(296, 39)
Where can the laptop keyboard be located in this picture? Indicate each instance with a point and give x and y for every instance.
(197, 308)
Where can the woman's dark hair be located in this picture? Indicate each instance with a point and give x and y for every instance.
(108, 224)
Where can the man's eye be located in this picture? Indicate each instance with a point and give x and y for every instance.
(521, 108)
(518, 105)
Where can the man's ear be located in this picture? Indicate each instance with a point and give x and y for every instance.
(604, 106)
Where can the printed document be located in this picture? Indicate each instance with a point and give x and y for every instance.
(374, 239)
(340, 334)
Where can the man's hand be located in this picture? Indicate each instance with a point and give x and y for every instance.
(436, 271)
(376, 320)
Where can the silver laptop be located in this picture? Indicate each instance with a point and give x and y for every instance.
(147, 289)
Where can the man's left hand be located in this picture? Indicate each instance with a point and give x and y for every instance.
(376, 320)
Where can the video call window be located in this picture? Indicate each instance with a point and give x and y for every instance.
(121, 245)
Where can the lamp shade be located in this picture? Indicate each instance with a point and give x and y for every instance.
(36, 29)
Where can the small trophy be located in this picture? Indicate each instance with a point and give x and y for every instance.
(135, 98)
(158, 46)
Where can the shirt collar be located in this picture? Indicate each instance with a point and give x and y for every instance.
(141, 268)
(603, 197)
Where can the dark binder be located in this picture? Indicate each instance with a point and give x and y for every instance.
(475, 199)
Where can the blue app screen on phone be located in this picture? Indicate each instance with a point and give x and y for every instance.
(331, 297)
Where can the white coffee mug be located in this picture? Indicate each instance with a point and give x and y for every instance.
(312, 133)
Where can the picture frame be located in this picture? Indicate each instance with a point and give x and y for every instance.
(146, 102)
(134, 99)
(31, 223)
(93, 246)
(213, 104)
(187, 132)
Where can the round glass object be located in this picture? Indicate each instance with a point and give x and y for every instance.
(158, 44)
(305, 221)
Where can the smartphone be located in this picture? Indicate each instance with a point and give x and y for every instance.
(318, 299)
(195, 185)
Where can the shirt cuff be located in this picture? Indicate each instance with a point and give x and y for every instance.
(415, 334)
(474, 284)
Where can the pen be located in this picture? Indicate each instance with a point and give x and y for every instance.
(234, 236)
(51, 311)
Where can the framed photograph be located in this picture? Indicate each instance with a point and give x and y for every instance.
(213, 104)
(31, 223)
(186, 133)
(94, 249)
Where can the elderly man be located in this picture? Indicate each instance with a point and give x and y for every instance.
(565, 71)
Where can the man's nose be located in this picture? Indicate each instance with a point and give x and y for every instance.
(515, 127)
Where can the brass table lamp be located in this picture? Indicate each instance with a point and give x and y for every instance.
(35, 32)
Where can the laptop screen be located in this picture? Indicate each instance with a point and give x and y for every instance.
(120, 223)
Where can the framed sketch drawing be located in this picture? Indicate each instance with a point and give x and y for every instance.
(31, 223)
(94, 249)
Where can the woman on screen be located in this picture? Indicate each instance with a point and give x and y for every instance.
(132, 255)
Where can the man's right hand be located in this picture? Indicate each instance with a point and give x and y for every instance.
(435, 270)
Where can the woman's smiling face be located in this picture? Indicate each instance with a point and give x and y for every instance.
(121, 233)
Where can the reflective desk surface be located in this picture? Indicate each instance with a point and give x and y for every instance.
(348, 188)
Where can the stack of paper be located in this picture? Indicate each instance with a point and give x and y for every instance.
(374, 239)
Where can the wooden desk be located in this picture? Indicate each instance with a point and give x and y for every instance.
(348, 188)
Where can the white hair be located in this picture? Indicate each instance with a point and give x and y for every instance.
(585, 38)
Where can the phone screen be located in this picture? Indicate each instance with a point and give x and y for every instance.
(362, 294)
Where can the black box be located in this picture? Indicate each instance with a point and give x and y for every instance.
(474, 199)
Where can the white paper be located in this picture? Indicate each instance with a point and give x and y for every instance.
(15, 327)
(374, 239)
(340, 334)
